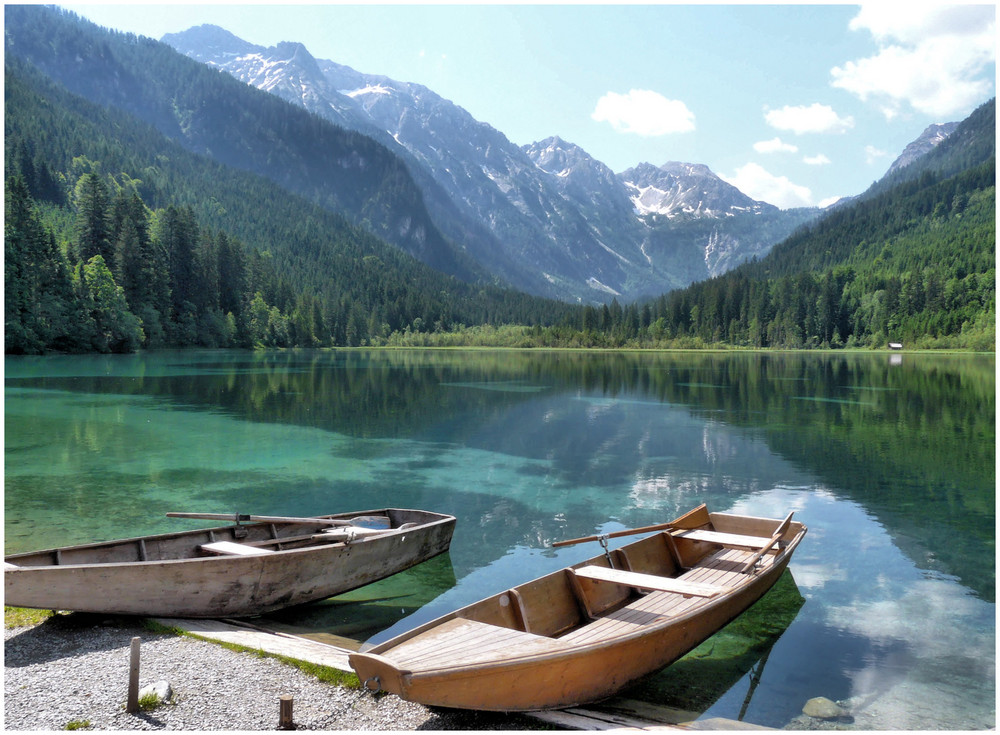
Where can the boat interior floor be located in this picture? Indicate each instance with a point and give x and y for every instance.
(462, 641)
(721, 568)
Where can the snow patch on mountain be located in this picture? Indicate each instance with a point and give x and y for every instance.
(369, 89)
(598, 286)
(687, 190)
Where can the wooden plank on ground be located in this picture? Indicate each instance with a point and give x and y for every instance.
(617, 720)
(721, 723)
(280, 644)
(572, 720)
(648, 711)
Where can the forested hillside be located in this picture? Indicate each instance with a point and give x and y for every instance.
(911, 261)
(211, 113)
(116, 238)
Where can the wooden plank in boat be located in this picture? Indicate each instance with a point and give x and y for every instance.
(638, 614)
(722, 568)
(462, 641)
(231, 547)
(649, 581)
(725, 539)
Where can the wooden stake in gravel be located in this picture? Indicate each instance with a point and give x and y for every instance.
(285, 713)
(132, 705)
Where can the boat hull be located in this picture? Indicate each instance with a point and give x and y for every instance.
(227, 586)
(561, 680)
(555, 673)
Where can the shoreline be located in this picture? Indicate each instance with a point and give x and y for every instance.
(72, 671)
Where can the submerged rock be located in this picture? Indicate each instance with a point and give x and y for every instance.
(824, 709)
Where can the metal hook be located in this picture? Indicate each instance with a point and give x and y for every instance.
(603, 541)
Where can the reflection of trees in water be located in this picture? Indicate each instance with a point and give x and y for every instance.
(912, 443)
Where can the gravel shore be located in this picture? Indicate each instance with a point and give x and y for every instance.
(74, 669)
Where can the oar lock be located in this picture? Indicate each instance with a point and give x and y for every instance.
(602, 539)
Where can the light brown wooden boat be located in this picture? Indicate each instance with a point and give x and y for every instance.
(257, 565)
(583, 633)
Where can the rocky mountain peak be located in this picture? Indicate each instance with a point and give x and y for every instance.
(297, 55)
(678, 189)
(209, 44)
(927, 141)
(555, 156)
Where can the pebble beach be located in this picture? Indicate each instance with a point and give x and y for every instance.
(73, 671)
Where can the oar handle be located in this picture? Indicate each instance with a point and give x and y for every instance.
(614, 534)
(696, 517)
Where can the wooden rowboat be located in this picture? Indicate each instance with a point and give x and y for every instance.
(583, 633)
(257, 565)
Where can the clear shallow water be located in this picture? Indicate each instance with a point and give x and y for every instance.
(890, 602)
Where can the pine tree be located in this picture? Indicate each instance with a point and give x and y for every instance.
(93, 219)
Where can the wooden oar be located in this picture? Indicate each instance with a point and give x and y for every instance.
(240, 518)
(775, 537)
(676, 523)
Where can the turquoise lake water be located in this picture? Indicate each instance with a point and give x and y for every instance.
(889, 459)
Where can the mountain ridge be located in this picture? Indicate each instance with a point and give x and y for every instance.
(574, 226)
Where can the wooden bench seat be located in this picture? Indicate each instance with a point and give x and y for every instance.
(232, 548)
(649, 581)
(730, 540)
(349, 532)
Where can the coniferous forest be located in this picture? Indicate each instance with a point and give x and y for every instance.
(118, 237)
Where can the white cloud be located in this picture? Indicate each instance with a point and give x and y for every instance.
(824, 203)
(756, 182)
(934, 58)
(775, 145)
(921, 20)
(817, 160)
(815, 118)
(644, 112)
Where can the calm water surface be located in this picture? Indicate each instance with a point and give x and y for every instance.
(889, 459)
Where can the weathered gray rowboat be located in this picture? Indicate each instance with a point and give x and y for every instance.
(583, 633)
(257, 565)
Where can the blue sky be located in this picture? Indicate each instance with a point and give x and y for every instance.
(794, 104)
